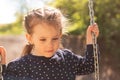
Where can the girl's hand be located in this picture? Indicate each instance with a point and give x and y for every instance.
(2, 55)
(94, 28)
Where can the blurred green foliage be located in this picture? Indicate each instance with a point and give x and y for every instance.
(13, 28)
(77, 13)
(107, 15)
(16, 28)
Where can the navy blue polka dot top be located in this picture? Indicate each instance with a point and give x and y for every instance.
(63, 65)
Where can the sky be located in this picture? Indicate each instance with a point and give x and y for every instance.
(8, 9)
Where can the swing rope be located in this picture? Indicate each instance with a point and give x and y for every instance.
(1, 78)
(95, 49)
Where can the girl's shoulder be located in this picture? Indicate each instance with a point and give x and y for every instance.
(68, 55)
(65, 52)
(19, 61)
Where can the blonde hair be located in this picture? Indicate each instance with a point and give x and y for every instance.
(48, 15)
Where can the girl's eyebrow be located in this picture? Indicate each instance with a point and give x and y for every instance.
(46, 37)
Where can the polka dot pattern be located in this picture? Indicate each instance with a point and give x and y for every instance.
(64, 65)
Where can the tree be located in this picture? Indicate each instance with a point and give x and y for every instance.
(107, 15)
(77, 13)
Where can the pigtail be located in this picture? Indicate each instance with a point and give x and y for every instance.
(27, 49)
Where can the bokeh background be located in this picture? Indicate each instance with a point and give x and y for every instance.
(107, 15)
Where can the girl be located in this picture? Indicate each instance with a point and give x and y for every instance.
(42, 59)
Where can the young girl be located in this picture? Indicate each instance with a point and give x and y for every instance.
(42, 59)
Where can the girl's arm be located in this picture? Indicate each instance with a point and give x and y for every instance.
(83, 65)
(86, 64)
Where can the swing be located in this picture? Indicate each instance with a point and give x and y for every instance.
(1, 78)
(96, 64)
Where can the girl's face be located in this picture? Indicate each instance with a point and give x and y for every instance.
(46, 40)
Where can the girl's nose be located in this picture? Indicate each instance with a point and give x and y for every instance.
(50, 44)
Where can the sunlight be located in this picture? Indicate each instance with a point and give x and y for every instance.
(34, 4)
(9, 8)
(7, 11)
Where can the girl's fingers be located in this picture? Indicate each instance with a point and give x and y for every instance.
(3, 55)
(2, 51)
(95, 29)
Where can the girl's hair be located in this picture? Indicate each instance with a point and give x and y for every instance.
(47, 15)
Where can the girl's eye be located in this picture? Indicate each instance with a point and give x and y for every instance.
(55, 38)
(42, 39)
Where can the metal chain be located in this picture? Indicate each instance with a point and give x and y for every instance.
(96, 63)
(1, 78)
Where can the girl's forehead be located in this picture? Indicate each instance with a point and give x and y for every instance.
(46, 27)
(46, 31)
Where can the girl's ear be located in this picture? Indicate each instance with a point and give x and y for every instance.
(29, 38)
